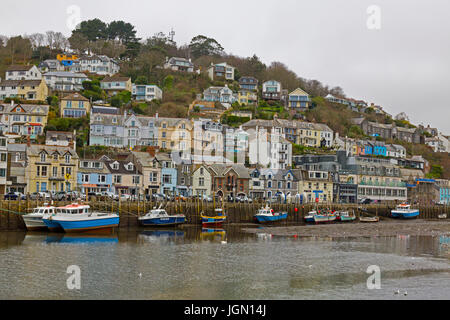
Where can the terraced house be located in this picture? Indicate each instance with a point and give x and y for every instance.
(126, 176)
(74, 106)
(51, 168)
(23, 119)
(93, 176)
(33, 90)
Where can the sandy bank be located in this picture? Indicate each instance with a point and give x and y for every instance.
(357, 229)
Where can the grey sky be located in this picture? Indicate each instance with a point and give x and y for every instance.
(404, 66)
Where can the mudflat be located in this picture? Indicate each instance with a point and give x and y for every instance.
(386, 228)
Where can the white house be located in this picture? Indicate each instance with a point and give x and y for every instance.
(65, 81)
(20, 72)
(143, 92)
(179, 64)
(99, 64)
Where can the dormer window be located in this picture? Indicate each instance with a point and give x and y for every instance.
(67, 158)
(130, 167)
(114, 120)
(43, 157)
(115, 166)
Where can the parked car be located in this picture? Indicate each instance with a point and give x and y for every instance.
(125, 197)
(60, 196)
(158, 197)
(365, 201)
(244, 198)
(110, 195)
(14, 196)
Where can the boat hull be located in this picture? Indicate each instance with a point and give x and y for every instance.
(405, 215)
(213, 221)
(324, 219)
(309, 219)
(267, 218)
(168, 221)
(52, 225)
(347, 219)
(34, 223)
(89, 224)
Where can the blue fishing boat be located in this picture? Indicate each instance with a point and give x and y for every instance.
(404, 211)
(217, 220)
(266, 214)
(160, 217)
(79, 218)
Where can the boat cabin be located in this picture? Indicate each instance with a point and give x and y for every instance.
(73, 209)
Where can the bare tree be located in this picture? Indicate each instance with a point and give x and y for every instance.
(37, 40)
(50, 39)
(3, 40)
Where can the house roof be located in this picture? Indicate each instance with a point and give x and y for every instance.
(75, 97)
(222, 169)
(19, 67)
(60, 135)
(115, 78)
(298, 92)
(20, 83)
(36, 149)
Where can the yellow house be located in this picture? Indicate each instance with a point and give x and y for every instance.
(24, 119)
(51, 168)
(74, 106)
(114, 85)
(246, 97)
(33, 90)
(299, 100)
(316, 185)
(308, 134)
(175, 134)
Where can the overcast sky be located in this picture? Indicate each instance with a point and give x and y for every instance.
(404, 66)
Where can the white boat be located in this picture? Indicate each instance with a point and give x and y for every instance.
(33, 221)
(327, 217)
(310, 216)
(404, 211)
(78, 217)
(442, 216)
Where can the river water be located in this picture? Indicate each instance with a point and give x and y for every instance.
(196, 264)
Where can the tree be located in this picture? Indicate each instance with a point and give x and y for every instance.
(121, 31)
(79, 42)
(19, 48)
(93, 29)
(204, 46)
(141, 80)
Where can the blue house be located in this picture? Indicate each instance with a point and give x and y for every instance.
(375, 148)
(169, 174)
(94, 176)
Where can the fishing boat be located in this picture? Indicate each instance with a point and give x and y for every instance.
(310, 216)
(345, 216)
(217, 220)
(79, 218)
(369, 219)
(404, 211)
(160, 217)
(266, 214)
(33, 221)
(324, 218)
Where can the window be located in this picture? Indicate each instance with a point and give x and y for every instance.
(102, 178)
(55, 171)
(136, 179)
(167, 178)
(3, 157)
(85, 178)
(38, 171)
(153, 177)
(67, 158)
(117, 179)
(44, 171)
(43, 157)
(201, 182)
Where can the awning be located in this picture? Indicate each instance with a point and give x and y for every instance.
(35, 124)
(90, 185)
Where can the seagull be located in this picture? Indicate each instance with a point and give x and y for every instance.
(406, 293)
(397, 292)
(140, 275)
